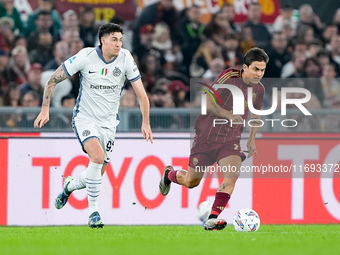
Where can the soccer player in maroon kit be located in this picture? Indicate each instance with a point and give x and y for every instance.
(221, 143)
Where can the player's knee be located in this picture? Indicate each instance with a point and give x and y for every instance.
(98, 158)
(192, 183)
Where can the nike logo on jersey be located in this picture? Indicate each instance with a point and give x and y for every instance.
(91, 72)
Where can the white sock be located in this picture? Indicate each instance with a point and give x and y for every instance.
(77, 183)
(93, 183)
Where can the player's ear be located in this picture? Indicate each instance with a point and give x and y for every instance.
(245, 67)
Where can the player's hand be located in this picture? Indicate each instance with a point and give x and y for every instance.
(235, 118)
(42, 118)
(147, 133)
(252, 148)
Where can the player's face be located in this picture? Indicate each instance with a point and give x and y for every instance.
(113, 43)
(254, 72)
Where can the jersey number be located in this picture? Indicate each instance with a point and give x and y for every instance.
(109, 146)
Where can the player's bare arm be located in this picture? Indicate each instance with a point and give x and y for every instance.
(43, 117)
(220, 112)
(256, 123)
(145, 109)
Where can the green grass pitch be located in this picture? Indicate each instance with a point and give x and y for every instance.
(175, 240)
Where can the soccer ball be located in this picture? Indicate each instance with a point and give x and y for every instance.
(203, 211)
(246, 220)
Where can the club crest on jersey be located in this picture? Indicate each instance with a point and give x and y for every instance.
(116, 72)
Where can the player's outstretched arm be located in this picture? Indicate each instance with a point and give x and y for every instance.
(145, 109)
(222, 113)
(256, 123)
(43, 117)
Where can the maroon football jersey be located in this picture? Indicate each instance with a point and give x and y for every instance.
(223, 133)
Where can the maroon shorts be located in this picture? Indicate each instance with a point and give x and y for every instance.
(206, 153)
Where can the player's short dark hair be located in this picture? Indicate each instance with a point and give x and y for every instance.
(255, 54)
(109, 28)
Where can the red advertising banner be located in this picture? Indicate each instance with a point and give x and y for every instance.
(104, 9)
(270, 8)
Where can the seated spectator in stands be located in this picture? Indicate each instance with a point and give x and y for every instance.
(335, 48)
(6, 33)
(62, 120)
(314, 48)
(336, 19)
(330, 85)
(294, 68)
(190, 33)
(324, 58)
(43, 52)
(163, 43)
(4, 57)
(44, 24)
(246, 39)
(128, 99)
(231, 53)
(12, 96)
(44, 5)
(151, 69)
(309, 18)
(206, 52)
(306, 34)
(228, 11)
(278, 55)
(7, 9)
(261, 36)
(75, 46)
(288, 32)
(218, 28)
(285, 17)
(34, 81)
(299, 48)
(313, 83)
(179, 91)
(19, 40)
(87, 30)
(70, 23)
(30, 99)
(18, 66)
(216, 67)
(61, 53)
(327, 34)
(161, 11)
(145, 46)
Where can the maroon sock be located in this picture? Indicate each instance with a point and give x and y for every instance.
(221, 200)
(172, 176)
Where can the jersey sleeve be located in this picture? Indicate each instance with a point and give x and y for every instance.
(131, 69)
(75, 63)
(259, 98)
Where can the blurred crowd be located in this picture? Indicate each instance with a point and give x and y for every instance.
(169, 47)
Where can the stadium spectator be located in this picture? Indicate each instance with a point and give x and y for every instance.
(294, 68)
(61, 53)
(261, 36)
(19, 40)
(18, 66)
(206, 52)
(336, 19)
(145, 46)
(335, 48)
(278, 55)
(189, 32)
(34, 81)
(43, 52)
(285, 17)
(327, 34)
(12, 96)
(324, 58)
(228, 11)
(314, 47)
(161, 11)
(309, 18)
(246, 39)
(162, 42)
(128, 99)
(87, 31)
(4, 57)
(70, 23)
(44, 5)
(218, 28)
(179, 91)
(7, 9)
(62, 121)
(43, 25)
(75, 46)
(231, 53)
(330, 85)
(30, 99)
(306, 34)
(6, 33)
(216, 66)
